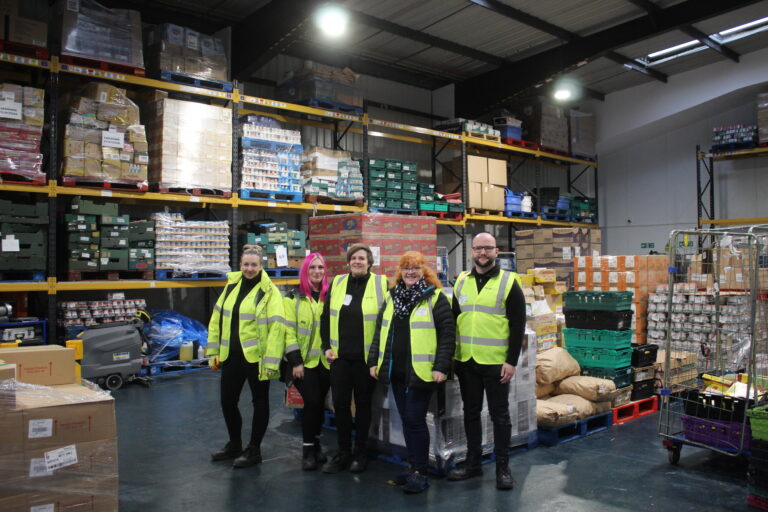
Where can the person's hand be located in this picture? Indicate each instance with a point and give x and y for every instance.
(213, 362)
(438, 376)
(298, 372)
(330, 355)
(374, 372)
(507, 372)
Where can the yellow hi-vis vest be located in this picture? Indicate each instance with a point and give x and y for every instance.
(482, 327)
(303, 333)
(423, 335)
(262, 325)
(373, 299)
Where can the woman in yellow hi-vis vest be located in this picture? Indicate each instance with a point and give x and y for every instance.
(413, 350)
(246, 336)
(303, 350)
(352, 304)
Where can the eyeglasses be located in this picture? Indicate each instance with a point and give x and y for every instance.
(486, 248)
(411, 270)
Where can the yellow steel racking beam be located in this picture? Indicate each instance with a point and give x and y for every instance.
(35, 189)
(25, 61)
(538, 221)
(143, 196)
(736, 154)
(734, 222)
(444, 222)
(309, 208)
(137, 284)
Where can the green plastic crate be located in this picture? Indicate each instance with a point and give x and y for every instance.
(377, 183)
(409, 196)
(410, 205)
(377, 173)
(395, 184)
(598, 301)
(596, 338)
(441, 206)
(758, 421)
(410, 176)
(377, 163)
(426, 197)
(427, 206)
(601, 358)
(409, 166)
(410, 187)
(394, 165)
(456, 207)
(394, 175)
(394, 204)
(427, 188)
(377, 193)
(394, 194)
(622, 377)
(377, 203)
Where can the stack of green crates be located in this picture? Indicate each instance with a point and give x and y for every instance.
(97, 236)
(141, 245)
(25, 223)
(431, 202)
(275, 234)
(392, 184)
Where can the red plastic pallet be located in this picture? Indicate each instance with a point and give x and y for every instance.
(521, 143)
(76, 181)
(25, 50)
(634, 410)
(456, 216)
(101, 65)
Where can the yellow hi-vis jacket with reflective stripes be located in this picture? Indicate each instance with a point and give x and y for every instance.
(482, 327)
(303, 332)
(373, 299)
(423, 335)
(262, 324)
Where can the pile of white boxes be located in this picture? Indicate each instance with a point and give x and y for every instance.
(191, 246)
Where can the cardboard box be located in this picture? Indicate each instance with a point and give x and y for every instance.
(543, 275)
(7, 371)
(524, 252)
(47, 365)
(497, 172)
(475, 199)
(542, 251)
(595, 237)
(571, 236)
(477, 169)
(493, 197)
(542, 236)
(524, 237)
(26, 31)
(523, 266)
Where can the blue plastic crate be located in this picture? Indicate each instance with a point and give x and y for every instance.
(511, 132)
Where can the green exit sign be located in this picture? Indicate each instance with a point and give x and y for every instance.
(682, 244)
(647, 245)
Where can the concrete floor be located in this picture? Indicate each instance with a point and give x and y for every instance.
(165, 435)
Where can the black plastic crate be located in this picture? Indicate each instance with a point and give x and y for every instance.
(607, 320)
(644, 355)
(643, 389)
(712, 406)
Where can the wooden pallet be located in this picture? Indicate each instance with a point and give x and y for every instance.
(483, 211)
(485, 136)
(25, 50)
(314, 199)
(554, 151)
(194, 191)
(71, 60)
(126, 186)
(109, 275)
(519, 215)
(255, 194)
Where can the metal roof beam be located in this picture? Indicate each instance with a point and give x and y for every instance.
(421, 37)
(636, 66)
(652, 9)
(486, 91)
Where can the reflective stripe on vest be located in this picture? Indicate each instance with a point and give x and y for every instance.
(291, 347)
(247, 316)
(224, 343)
(226, 312)
(270, 360)
(307, 337)
(217, 308)
(488, 342)
(249, 343)
(213, 345)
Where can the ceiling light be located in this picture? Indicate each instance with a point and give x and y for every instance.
(562, 94)
(332, 20)
(566, 89)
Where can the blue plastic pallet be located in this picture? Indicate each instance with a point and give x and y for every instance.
(171, 368)
(284, 147)
(282, 272)
(393, 211)
(551, 210)
(22, 276)
(332, 105)
(521, 215)
(172, 275)
(559, 218)
(581, 428)
(270, 195)
(195, 81)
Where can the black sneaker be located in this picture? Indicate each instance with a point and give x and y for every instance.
(402, 477)
(250, 457)
(359, 462)
(338, 462)
(465, 470)
(416, 483)
(230, 451)
(309, 458)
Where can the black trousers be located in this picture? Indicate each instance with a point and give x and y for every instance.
(313, 388)
(475, 378)
(234, 372)
(348, 378)
(412, 404)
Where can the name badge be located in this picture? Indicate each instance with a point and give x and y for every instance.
(421, 311)
(347, 300)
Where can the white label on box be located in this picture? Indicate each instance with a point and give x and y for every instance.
(125, 157)
(595, 253)
(281, 255)
(142, 159)
(629, 261)
(121, 242)
(110, 139)
(106, 193)
(37, 468)
(82, 227)
(40, 428)
(10, 110)
(376, 255)
(85, 239)
(271, 204)
(566, 253)
(7, 96)
(104, 261)
(61, 457)
(10, 244)
(582, 262)
(48, 507)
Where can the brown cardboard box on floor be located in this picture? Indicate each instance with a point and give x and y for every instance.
(524, 252)
(542, 236)
(524, 266)
(47, 365)
(7, 370)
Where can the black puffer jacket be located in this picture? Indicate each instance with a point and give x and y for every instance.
(445, 326)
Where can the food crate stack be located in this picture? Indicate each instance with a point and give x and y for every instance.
(516, 203)
(508, 127)
(737, 136)
(388, 236)
(184, 248)
(270, 156)
(21, 129)
(97, 236)
(486, 182)
(76, 315)
(104, 140)
(331, 174)
(597, 334)
(541, 285)
(757, 476)
(24, 233)
(639, 274)
(191, 144)
(644, 370)
(762, 118)
(392, 184)
(283, 247)
(175, 49)
(431, 201)
(459, 124)
(322, 86)
(716, 420)
(555, 248)
(584, 209)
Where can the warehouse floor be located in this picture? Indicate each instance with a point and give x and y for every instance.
(166, 433)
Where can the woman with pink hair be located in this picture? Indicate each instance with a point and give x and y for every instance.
(305, 356)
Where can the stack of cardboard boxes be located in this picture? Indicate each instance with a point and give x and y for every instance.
(392, 184)
(23, 229)
(318, 84)
(21, 130)
(21, 29)
(283, 247)
(555, 248)
(486, 181)
(58, 450)
(190, 246)
(183, 50)
(332, 174)
(545, 124)
(388, 236)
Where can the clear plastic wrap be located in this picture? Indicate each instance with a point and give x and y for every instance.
(21, 128)
(183, 50)
(271, 156)
(92, 31)
(169, 330)
(191, 246)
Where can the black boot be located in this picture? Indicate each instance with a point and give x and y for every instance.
(359, 461)
(339, 462)
(467, 469)
(250, 457)
(231, 451)
(504, 478)
(309, 458)
(319, 455)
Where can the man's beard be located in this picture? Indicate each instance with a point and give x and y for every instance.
(489, 263)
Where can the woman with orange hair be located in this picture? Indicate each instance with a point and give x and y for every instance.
(412, 350)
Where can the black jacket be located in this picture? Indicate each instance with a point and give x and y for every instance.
(351, 342)
(515, 305)
(400, 335)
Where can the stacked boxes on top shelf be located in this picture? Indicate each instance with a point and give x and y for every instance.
(555, 248)
(392, 184)
(190, 248)
(283, 247)
(23, 229)
(21, 130)
(731, 137)
(191, 145)
(322, 86)
(545, 124)
(271, 160)
(331, 174)
(582, 129)
(103, 140)
(486, 182)
(174, 49)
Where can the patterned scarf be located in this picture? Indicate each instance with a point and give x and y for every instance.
(404, 299)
